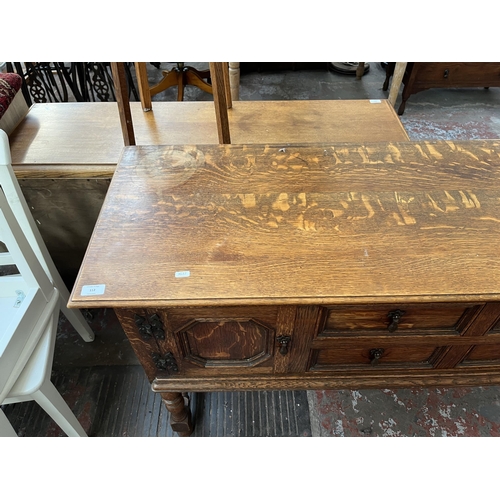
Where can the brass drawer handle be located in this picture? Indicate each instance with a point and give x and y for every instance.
(375, 355)
(395, 318)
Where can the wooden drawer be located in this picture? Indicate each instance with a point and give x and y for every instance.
(483, 354)
(374, 356)
(496, 328)
(396, 319)
(456, 74)
(486, 349)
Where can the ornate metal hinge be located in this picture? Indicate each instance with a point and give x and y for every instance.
(157, 327)
(150, 327)
(165, 363)
(283, 341)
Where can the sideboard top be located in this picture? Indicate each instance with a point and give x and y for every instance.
(329, 223)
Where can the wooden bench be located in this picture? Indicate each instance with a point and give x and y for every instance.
(65, 154)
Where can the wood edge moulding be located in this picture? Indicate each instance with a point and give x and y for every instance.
(335, 380)
(78, 302)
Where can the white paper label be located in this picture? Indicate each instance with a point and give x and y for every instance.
(92, 290)
(182, 274)
(375, 101)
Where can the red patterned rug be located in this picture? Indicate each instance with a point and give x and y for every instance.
(10, 83)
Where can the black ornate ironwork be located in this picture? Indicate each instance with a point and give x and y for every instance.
(144, 327)
(157, 327)
(150, 327)
(64, 82)
(165, 363)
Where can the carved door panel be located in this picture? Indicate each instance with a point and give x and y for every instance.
(226, 340)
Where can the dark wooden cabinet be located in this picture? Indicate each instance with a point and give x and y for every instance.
(302, 267)
(264, 341)
(428, 75)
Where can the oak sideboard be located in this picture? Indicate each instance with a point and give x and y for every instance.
(302, 267)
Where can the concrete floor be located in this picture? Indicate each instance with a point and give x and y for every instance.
(432, 114)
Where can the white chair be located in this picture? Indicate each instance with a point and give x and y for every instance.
(29, 308)
(19, 207)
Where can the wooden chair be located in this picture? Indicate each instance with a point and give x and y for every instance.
(179, 76)
(29, 308)
(13, 193)
(219, 74)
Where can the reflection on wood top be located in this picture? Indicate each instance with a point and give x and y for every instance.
(89, 133)
(300, 224)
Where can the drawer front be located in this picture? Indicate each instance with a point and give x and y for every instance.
(397, 319)
(486, 348)
(457, 74)
(496, 328)
(483, 354)
(373, 356)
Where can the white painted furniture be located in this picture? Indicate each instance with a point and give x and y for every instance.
(29, 308)
(17, 203)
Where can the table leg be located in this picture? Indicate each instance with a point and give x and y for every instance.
(234, 78)
(360, 70)
(121, 91)
(397, 78)
(180, 414)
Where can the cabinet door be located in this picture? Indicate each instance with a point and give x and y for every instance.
(218, 341)
(223, 340)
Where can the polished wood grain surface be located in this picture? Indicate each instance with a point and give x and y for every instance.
(85, 139)
(332, 223)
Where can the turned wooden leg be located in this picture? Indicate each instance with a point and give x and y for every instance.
(360, 70)
(180, 415)
(234, 79)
